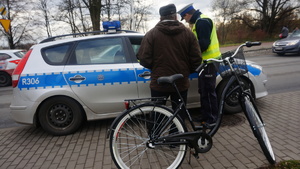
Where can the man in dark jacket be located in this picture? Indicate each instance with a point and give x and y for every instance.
(169, 48)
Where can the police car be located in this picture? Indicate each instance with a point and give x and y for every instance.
(59, 84)
(9, 60)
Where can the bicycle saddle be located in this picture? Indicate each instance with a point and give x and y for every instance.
(169, 79)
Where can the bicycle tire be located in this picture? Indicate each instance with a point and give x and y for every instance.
(133, 129)
(257, 126)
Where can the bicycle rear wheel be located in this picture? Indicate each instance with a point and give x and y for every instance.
(257, 127)
(131, 135)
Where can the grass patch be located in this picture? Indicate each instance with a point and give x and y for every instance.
(289, 164)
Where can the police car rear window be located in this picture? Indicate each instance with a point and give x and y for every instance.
(56, 55)
(99, 51)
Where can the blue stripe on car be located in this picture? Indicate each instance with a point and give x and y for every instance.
(254, 70)
(104, 77)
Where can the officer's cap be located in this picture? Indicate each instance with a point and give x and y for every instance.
(167, 10)
(185, 10)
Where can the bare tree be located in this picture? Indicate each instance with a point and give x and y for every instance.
(266, 14)
(43, 6)
(94, 7)
(68, 16)
(81, 16)
(225, 11)
(74, 13)
(141, 13)
(20, 18)
(68, 6)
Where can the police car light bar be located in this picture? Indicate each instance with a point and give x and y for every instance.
(111, 26)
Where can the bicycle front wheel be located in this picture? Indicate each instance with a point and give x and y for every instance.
(258, 127)
(130, 139)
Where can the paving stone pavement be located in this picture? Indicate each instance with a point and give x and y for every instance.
(234, 146)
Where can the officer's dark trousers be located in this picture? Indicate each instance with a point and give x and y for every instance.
(208, 96)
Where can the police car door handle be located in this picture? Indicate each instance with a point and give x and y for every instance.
(145, 74)
(77, 77)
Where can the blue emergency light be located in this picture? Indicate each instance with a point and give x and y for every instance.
(111, 26)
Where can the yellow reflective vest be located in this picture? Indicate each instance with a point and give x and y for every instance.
(213, 50)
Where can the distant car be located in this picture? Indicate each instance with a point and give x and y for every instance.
(9, 60)
(60, 84)
(290, 44)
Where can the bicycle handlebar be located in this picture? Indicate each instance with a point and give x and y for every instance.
(247, 44)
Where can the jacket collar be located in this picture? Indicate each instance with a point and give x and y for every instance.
(195, 16)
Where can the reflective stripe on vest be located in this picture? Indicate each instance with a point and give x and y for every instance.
(213, 50)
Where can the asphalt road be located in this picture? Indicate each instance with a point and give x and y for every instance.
(283, 71)
(283, 76)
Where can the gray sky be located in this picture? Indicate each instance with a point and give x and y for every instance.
(203, 5)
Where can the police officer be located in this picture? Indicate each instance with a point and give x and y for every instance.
(205, 31)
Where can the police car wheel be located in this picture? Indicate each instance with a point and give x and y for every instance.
(60, 116)
(231, 104)
(5, 79)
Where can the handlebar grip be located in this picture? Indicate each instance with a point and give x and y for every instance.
(249, 44)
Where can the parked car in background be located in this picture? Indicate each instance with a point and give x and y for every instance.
(61, 83)
(290, 44)
(9, 59)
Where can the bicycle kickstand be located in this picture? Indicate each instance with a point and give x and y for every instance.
(194, 153)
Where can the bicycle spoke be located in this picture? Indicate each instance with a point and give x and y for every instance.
(135, 158)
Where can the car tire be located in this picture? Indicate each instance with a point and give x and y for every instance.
(60, 116)
(5, 79)
(231, 104)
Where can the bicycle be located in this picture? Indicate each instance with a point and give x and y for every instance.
(232, 67)
(153, 135)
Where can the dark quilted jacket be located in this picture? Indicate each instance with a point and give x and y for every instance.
(170, 48)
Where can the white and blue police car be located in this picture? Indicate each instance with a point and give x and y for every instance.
(59, 84)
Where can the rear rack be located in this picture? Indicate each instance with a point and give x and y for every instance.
(85, 34)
